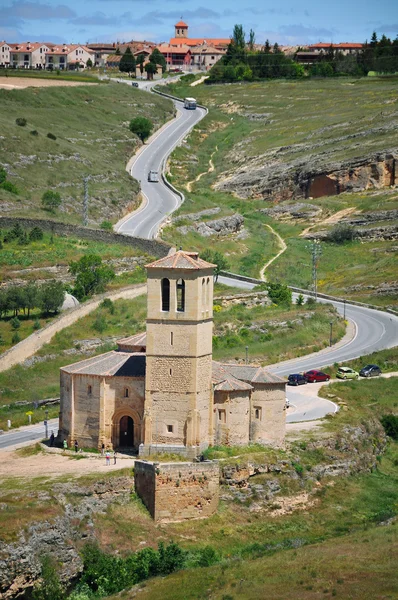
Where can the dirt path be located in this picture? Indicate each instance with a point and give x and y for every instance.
(332, 220)
(199, 177)
(19, 83)
(199, 81)
(282, 246)
(35, 341)
(55, 465)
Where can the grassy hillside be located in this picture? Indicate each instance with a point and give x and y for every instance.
(250, 125)
(92, 139)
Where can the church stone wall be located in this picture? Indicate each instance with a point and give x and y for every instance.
(232, 418)
(178, 491)
(270, 401)
(86, 412)
(176, 338)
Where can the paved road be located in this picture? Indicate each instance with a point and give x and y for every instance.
(160, 200)
(27, 434)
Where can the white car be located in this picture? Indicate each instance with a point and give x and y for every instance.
(153, 177)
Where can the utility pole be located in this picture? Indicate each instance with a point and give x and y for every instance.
(85, 201)
(316, 252)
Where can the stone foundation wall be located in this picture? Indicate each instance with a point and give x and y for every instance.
(178, 491)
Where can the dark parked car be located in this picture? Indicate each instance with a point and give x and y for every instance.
(296, 379)
(370, 371)
(314, 376)
(135, 84)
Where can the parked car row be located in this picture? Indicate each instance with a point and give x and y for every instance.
(315, 376)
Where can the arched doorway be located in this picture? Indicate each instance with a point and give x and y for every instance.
(126, 432)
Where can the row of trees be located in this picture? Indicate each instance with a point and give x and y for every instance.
(243, 62)
(48, 297)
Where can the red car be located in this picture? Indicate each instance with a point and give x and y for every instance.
(314, 376)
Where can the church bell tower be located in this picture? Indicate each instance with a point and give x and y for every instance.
(181, 30)
(178, 380)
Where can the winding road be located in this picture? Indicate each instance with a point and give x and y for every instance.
(374, 329)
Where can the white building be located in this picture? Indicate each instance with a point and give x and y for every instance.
(4, 54)
(29, 55)
(69, 56)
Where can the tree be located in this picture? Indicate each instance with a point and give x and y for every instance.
(31, 294)
(373, 40)
(157, 58)
(118, 53)
(141, 126)
(91, 276)
(89, 63)
(140, 62)
(127, 62)
(267, 47)
(52, 296)
(300, 300)
(216, 258)
(51, 200)
(151, 70)
(252, 40)
(238, 38)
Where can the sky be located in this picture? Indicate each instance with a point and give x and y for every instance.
(288, 22)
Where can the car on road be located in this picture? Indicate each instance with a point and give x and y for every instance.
(135, 84)
(346, 373)
(153, 177)
(315, 376)
(296, 379)
(370, 371)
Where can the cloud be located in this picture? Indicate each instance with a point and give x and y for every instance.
(35, 11)
(100, 18)
(388, 28)
(301, 31)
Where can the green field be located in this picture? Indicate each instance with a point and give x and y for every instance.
(92, 139)
(252, 124)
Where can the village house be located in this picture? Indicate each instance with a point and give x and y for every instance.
(4, 54)
(101, 52)
(183, 51)
(29, 55)
(160, 391)
(204, 56)
(68, 56)
(345, 47)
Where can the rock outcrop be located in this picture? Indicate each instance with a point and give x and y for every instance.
(223, 226)
(311, 177)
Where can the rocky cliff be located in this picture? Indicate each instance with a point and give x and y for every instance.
(310, 177)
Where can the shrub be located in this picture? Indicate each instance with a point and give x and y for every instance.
(207, 557)
(279, 293)
(108, 305)
(9, 187)
(342, 233)
(51, 200)
(50, 587)
(300, 300)
(15, 338)
(390, 424)
(311, 302)
(34, 132)
(15, 323)
(106, 225)
(35, 234)
(36, 325)
(51, 136)
(3, 175)
(99, 323)
(21, 121)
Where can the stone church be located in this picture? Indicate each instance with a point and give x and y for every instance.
(160, 391)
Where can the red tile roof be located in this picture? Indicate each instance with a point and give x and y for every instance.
(180, 24)
(198, 41)
(342, 45)
(181, 260)
(166, 49)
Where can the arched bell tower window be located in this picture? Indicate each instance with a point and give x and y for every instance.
(180, 295)
(166, 294)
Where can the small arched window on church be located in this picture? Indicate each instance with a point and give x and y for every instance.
(89, 390)
(166, 295)
(207, 291)
(203, 292)
(180, 295)
(126, 392)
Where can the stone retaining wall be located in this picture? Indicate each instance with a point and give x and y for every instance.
(152, 247)
(178, 491)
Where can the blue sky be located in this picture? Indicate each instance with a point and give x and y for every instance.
(287, 22)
